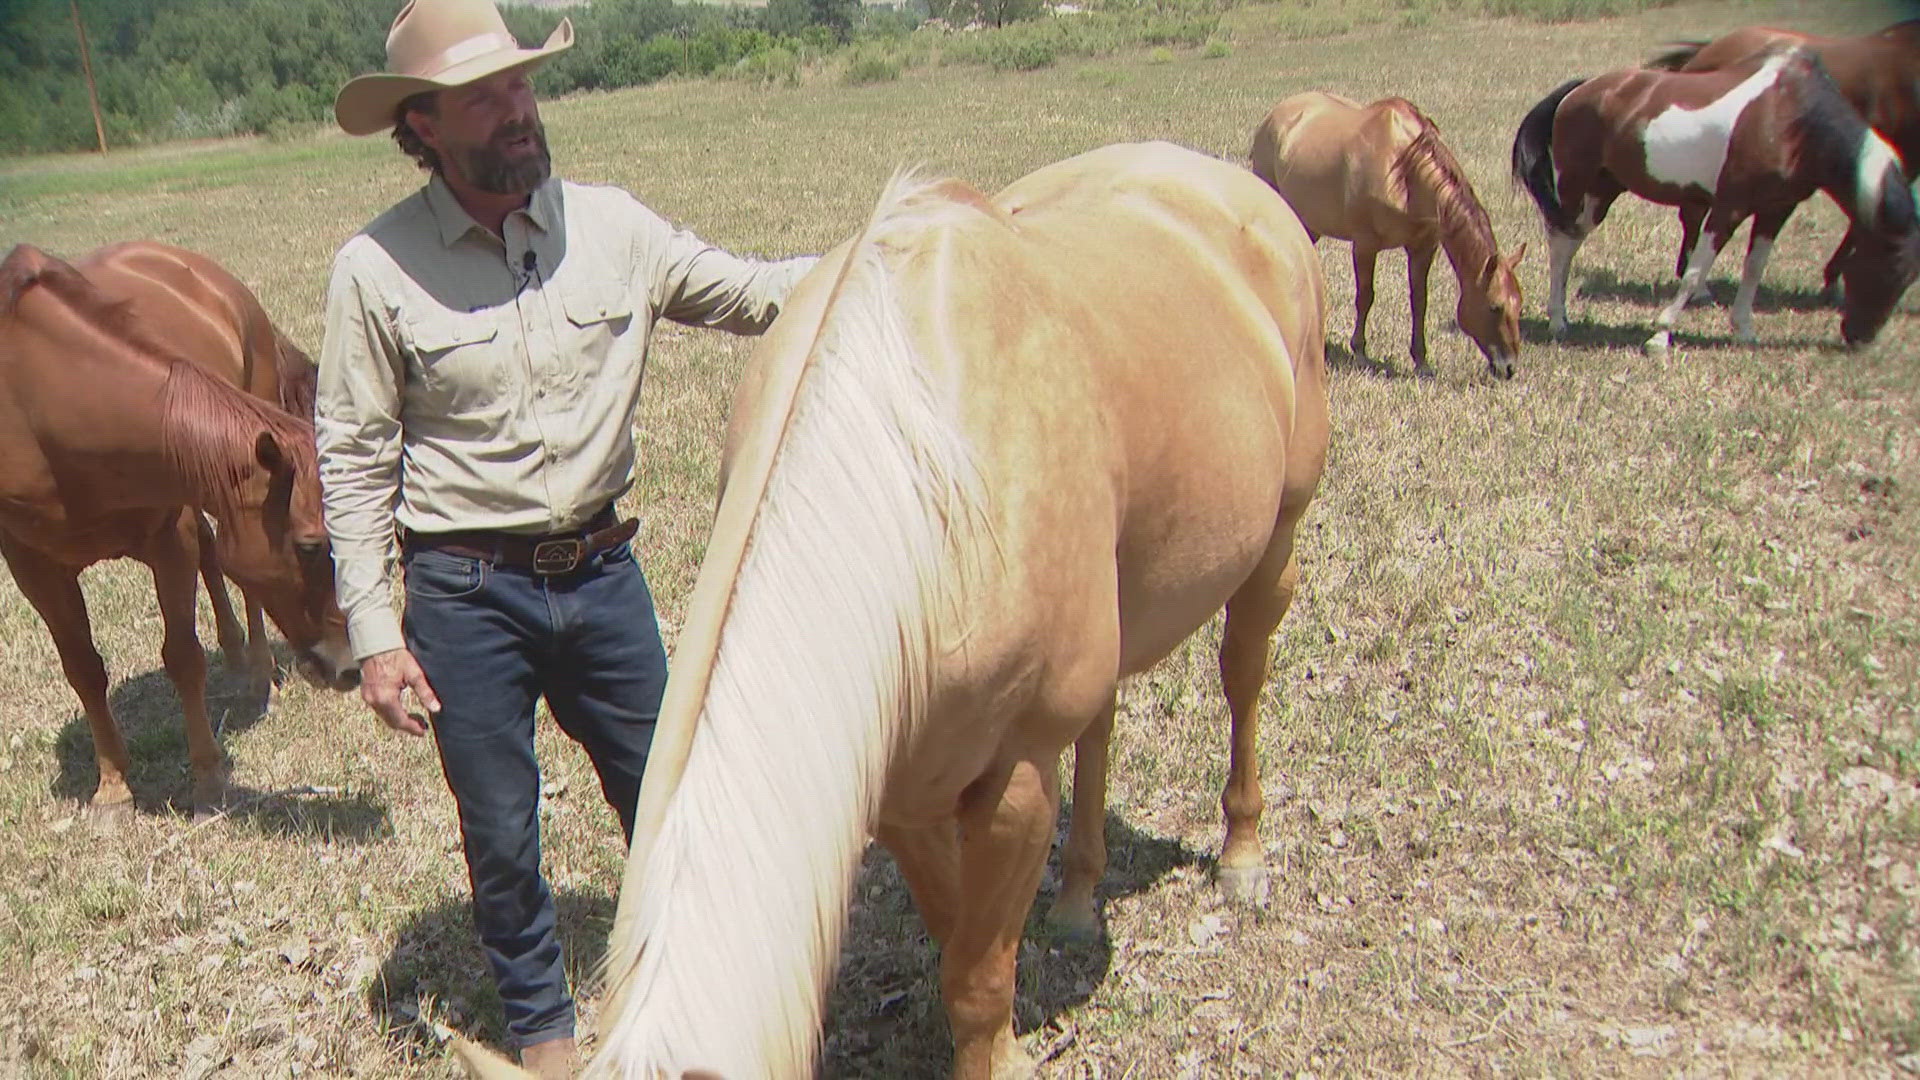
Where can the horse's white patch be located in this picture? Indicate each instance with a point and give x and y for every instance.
(1688, 147)
(1876, 157)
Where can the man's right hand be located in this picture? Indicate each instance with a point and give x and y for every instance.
(383, 676)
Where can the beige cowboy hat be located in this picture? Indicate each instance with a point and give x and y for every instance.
(434, 45)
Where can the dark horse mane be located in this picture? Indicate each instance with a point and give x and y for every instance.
(1829, 132)
(1427, 159)
(210, 430)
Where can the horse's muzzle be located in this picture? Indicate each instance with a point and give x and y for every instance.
(1500, 367)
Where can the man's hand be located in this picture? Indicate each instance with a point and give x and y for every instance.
(383, 676)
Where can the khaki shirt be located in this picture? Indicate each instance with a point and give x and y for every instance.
(471, 381)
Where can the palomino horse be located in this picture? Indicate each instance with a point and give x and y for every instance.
(1750, 141)
(1379, 176)
(1879, 73)
(995, 455)
(120, 419)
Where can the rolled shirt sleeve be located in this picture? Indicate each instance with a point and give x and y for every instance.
(701, 285)
(357, 431)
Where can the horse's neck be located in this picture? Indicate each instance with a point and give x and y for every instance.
(1465, 236)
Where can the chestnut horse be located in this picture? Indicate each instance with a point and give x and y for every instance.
(1379, 176)
(1879, 73)
(1752, 141)
(120, 420)
(995, 455)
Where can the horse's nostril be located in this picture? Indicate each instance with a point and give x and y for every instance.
(350, 679)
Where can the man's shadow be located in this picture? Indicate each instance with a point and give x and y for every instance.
(148, 711)
(884, 1017)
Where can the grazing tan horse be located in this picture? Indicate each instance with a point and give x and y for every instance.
(1751, 141)
(1379, 176)
(1878, 73)
(994, 456)
(121, 418)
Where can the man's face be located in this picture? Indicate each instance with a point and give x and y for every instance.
(488, 133)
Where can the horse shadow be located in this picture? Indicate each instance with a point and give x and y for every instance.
(883, 1018)
(148, 710)
(1586, 334)
(1603, 284)
(1341, 358)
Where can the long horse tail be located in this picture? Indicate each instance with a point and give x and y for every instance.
(1533, 155)
(1674, 55)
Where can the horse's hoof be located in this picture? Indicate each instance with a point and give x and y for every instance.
(1557, 331)
(106, 817)
(1010, 1061)
(1424, 371)
(1244, 885)
(1074, 921)
(1659, 344)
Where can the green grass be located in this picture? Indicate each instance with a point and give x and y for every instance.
(1597, 714)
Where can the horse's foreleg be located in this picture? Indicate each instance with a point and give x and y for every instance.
(1419, 267)
(1364, 255)
(929, 860)
(173, 557)
(54, 592)
(1252, 614)
(1830, 283)
(1084, 862)
(1006, 821)
(1718, 228)
(1560, 249)
(1691, 215)
(233, 642)
(1759, 245)
(260, 666)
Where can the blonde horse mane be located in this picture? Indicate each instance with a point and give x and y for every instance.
(824, 603)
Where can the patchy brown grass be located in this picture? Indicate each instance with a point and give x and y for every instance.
(1591, 742)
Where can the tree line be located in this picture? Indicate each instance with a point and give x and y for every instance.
(171, 69)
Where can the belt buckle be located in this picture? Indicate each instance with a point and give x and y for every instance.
(552, 557)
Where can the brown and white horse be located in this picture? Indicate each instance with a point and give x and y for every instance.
(1752, 141)
(1379, 176)
(121, 418)
(995, 455)
(1879, 73)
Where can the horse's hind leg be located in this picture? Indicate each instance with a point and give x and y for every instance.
(1252, 615)
(173, 557)
(260, 666)
(1691, 215)
(54, 592)
(1084, 862)
(1759, 245)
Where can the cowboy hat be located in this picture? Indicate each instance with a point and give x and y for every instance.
(434, 45)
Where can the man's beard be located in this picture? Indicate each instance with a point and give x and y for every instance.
(491, 170)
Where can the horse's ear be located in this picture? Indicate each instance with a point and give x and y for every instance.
(1519, 253)
(267, 451)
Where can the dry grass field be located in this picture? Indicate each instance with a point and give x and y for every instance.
(1592, 746)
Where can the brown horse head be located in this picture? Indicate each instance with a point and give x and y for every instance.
(253, 468)
(1489, 311)
(1876, 272)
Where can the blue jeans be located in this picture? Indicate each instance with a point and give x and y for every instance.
(492, 640)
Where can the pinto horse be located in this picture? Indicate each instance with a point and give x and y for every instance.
(1379, 176)
(1878, 73)
(122, 418)
(1752, 141)
(995, 455)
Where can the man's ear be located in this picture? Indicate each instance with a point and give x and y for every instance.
(423, 125)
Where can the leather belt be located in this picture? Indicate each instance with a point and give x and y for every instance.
(545, 556)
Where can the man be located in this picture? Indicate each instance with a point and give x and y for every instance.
(484, 345)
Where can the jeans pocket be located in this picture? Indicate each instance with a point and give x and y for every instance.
(435, 575)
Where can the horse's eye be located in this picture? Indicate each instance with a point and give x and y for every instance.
(310, 549)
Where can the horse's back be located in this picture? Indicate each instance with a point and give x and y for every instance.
(1332, 159)
(194, 306)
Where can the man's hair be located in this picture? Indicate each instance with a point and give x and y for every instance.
(409, 141)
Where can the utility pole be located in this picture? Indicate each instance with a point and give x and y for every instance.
(86, 66)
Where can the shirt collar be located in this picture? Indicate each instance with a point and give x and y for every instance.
(543, 210)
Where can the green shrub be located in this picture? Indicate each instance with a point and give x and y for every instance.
(1217, 50)
(871, 67)
(1021, 54)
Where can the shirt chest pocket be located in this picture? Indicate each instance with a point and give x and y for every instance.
(598, 317)
(461, 357)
